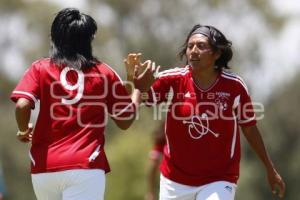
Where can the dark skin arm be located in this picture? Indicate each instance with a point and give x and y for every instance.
(255, 140)
(142, 77)
(151, 179)
(22, 114)
(126, 123)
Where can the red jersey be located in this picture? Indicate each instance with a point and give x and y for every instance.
(74, 106)
(202, 126)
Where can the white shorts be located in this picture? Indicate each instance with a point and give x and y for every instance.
(219, 190)
(79, 184)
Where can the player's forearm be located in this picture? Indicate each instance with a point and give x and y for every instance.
(152, 176)
(125, 123)
(136, 97)
(22, 113)
(254, 138)
(129, 84)
(136, 100)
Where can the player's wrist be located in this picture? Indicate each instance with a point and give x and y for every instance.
(136, 96)
(130, 77)
(22, 133)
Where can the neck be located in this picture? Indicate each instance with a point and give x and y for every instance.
(204, 77)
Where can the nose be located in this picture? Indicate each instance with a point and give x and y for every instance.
(195, 50)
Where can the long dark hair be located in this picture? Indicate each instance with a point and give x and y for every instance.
(72, 33)
(218, 42)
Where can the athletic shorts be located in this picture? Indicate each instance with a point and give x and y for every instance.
(219, 190)
(79, 184)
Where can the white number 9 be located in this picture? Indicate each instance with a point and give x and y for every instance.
(79, 85)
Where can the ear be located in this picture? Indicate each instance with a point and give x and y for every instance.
(217, 54)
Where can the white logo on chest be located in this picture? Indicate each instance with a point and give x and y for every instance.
(222, 100)
(199, 126)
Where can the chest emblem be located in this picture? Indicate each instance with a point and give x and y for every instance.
(222, 99)
(198, 126)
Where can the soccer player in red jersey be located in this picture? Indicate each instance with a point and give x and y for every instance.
(155, 156)
(209, 106)
(77, 93)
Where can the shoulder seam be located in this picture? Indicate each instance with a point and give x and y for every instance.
(237, 79)
(174, 72)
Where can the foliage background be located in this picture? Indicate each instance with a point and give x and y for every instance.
(266, 42)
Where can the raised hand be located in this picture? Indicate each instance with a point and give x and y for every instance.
(130, 62)
(146, 78)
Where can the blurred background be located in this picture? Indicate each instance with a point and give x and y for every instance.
(266, 44)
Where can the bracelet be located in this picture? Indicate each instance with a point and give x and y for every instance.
(22, 133)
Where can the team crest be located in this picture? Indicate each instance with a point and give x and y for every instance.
(222, 100)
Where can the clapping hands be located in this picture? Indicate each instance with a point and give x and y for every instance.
(143, 74)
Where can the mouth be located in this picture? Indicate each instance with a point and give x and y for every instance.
(194, 59)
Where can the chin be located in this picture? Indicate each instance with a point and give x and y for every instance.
(195, 64)
(199, 66)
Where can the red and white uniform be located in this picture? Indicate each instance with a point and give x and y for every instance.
(74, 105)
(202, 133)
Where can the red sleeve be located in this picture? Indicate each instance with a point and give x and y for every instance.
(159, 145)
(159, 92)
(245, 111)
(28, 87)
(119, 103)
(157, 151)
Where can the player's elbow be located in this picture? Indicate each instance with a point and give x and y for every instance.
(123, 127)
(124, 124)
(23, 104)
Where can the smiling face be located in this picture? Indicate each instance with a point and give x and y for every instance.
(199, 52)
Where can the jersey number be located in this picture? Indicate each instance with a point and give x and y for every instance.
(79, 85)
